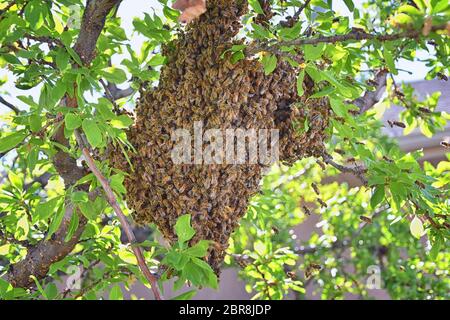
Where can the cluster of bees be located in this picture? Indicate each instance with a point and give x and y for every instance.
(197, 84)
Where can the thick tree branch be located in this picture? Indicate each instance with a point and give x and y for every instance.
(39, 258)
(46, 252)
(94, 18)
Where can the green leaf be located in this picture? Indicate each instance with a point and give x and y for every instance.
(313, 52)
(210, 275)
(300, 78)
(186, 295)
(388, 57)
(73, 226)
(6, 290)
(12, 140)
(377, 196)
(439, 6)
(116, 293)
(199, 250)
(72, 121)
(79, 196)
(183, 228)
(15, 180)
(87, 209)
(51, 291)
(35, 122)
(256, 6)
(122, 121)
(46, 209)
(438, 242)
(56, 222)
(114, 75)
(416, 228)
(157, 60)
(322, 93)
(269, 62)
(104, 107)
(350, 5)
(175, 259)
(116, 182)
(93, 133)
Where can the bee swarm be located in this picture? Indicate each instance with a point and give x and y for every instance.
(197, 84)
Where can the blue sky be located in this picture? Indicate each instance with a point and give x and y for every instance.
(136, 8)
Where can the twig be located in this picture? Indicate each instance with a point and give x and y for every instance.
(111, 198)
(9, 105)
(357, 171)
(50, 41)
(370, 98)
(300, 10)
(109, 95)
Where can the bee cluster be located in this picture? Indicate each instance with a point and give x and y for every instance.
(198, 84)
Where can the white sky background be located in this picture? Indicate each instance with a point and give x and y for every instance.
(136, 8)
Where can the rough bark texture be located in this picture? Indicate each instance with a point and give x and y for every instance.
(40, 257)
(197, 84)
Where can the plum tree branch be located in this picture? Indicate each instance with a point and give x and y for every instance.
(9, 105)
(256, 47)
(358, 171)
(111, 198)
(370, 98)
(297, 14)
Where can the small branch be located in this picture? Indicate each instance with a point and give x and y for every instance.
(352, 36)
(109, 95)
(117, 93)
(49, 40)
(9, 105)
(42, 180)
(357, 171)
(111, 198)
(297, 14)
(356, 36)
(370, 98)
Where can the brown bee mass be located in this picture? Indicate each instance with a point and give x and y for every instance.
(197, 84)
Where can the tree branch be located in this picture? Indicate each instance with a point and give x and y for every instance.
(356, 36)
(9, 105)
(357, 170)
(46, 252)
(111, 198)
(370, 98)
(351, 36)
(297, 14)
(94, 18)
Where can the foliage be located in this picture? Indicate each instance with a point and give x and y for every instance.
(399, 221)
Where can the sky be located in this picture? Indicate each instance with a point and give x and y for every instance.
(136, 8)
